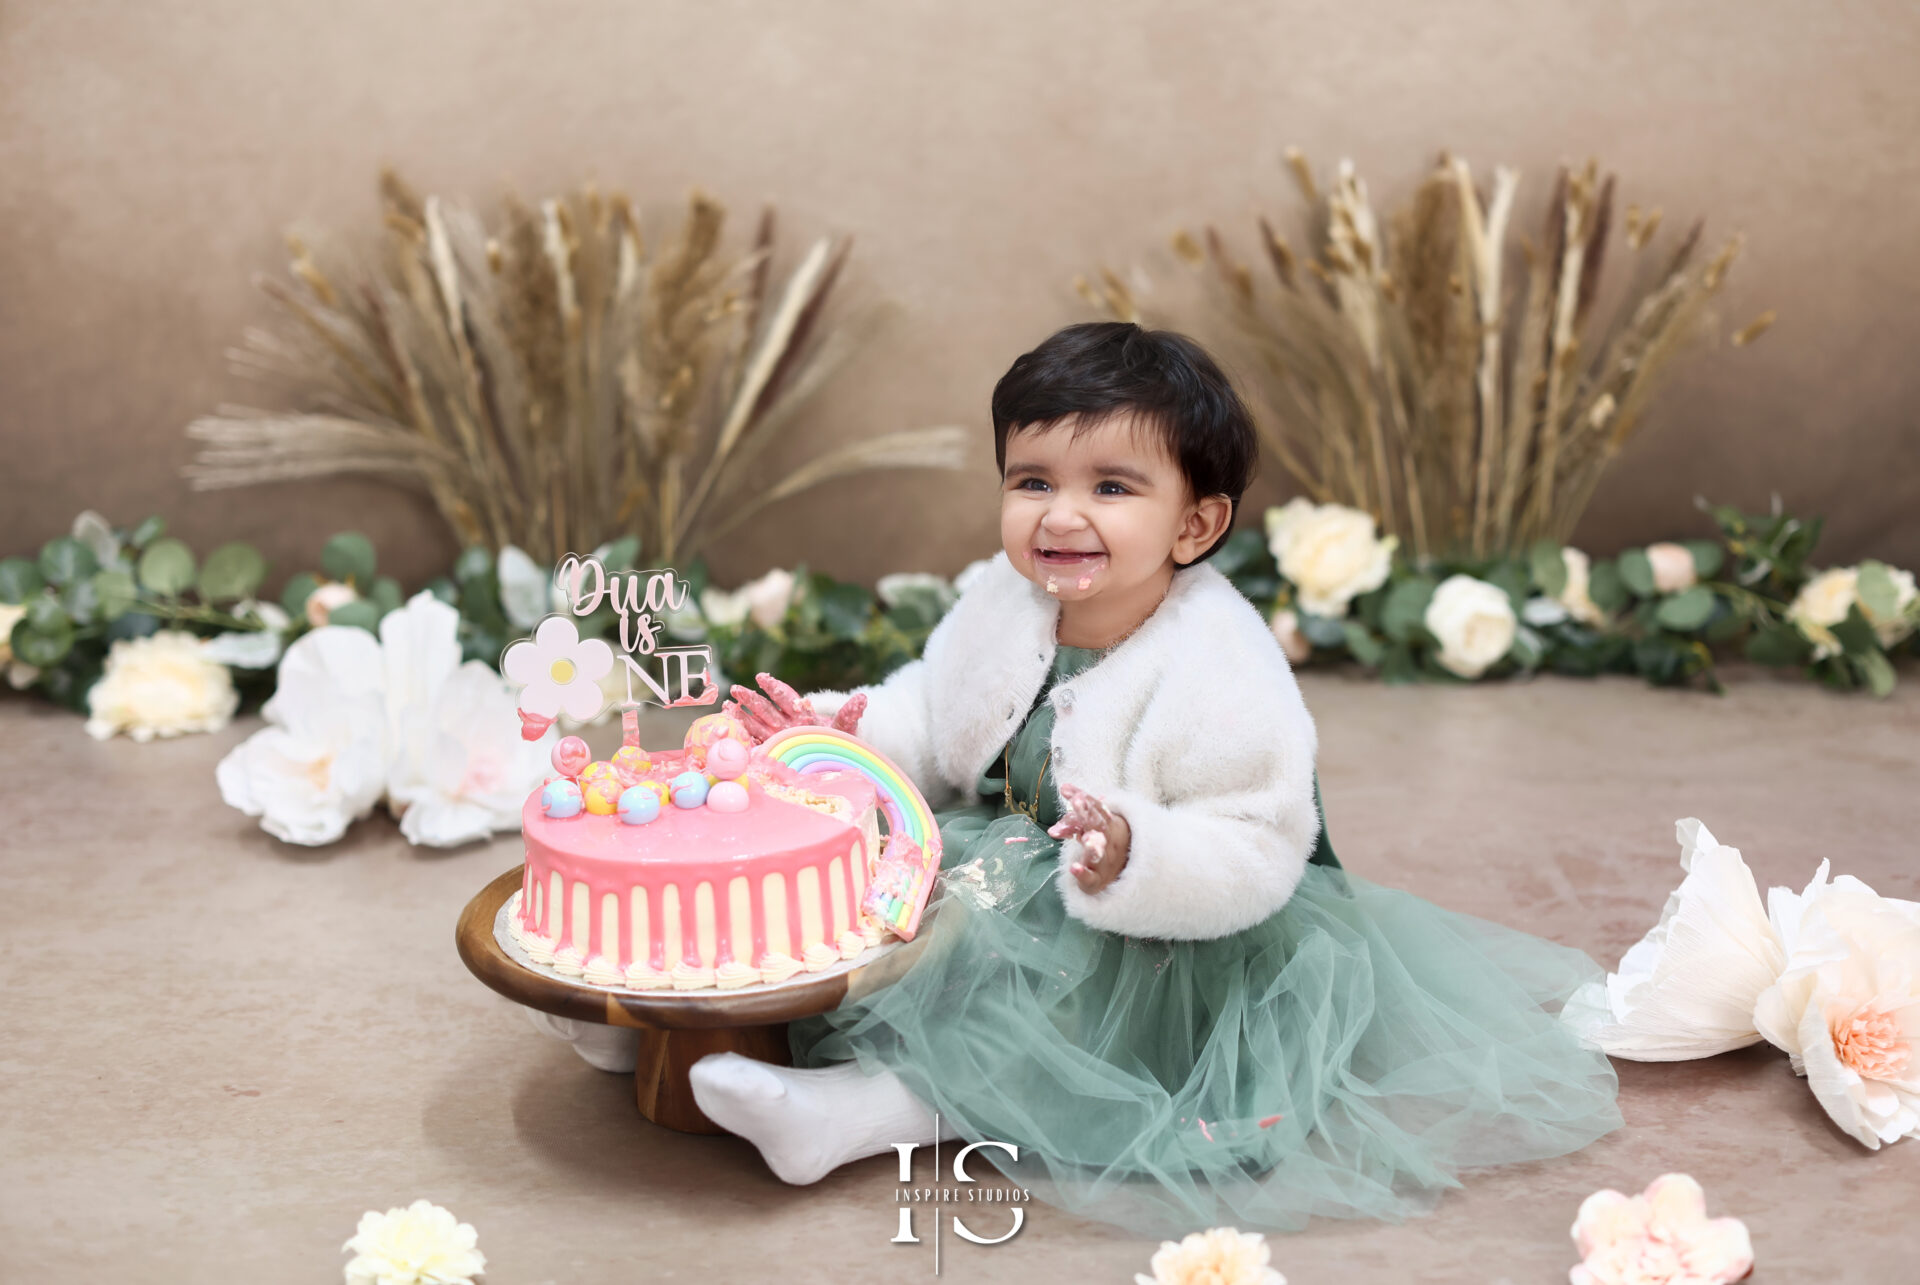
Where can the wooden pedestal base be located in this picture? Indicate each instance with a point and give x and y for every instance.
(677, 1028)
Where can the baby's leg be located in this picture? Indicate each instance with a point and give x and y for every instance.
(807, 1123)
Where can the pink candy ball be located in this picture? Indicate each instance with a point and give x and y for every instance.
(571, 755)
(727, 759)
(728, 796)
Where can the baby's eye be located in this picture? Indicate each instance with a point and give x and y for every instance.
(1026, 483)
(1119, 488)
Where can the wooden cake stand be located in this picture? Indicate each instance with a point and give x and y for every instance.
(677, 1028)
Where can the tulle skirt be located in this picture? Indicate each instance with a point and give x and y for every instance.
(1347, 1057)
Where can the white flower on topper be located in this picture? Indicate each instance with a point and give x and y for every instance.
(560, 671)
(1687, 989)
(1846, 1008)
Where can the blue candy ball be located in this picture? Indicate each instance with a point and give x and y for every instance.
(561, 798)
(689, 789)
(639, 805)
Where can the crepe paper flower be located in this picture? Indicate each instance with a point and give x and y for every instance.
(321, 763)
(160, 685)
(1329, 552)
(1217, 1256)
(560, 672)
(1474, 623)
(1660, 1237)
(1687, 989)
(422, 1244)
(1846, 1007)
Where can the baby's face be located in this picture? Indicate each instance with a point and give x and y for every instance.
(1102, 513)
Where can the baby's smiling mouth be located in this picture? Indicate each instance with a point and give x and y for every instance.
(1067, 557)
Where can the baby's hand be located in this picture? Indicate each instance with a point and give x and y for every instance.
(763, 718)
(1102, 832)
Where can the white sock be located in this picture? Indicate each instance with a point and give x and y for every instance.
(611, 1048)
(807, 1123)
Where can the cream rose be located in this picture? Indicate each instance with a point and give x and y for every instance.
(422, 1244)
(1474, 623)
(1329, 552)
(1575, 597)
(160, 685)
(1286, 628)
(1821, 604)
(768, 597)
(1673, 569)
(327, 599)
(1217, 1256)
(10, 615)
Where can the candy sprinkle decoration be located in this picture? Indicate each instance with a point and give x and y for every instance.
(904, 876)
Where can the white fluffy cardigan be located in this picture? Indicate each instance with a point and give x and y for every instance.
(1192, 728)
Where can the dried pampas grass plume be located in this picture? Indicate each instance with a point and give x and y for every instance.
(555, 380)
(1410, 371)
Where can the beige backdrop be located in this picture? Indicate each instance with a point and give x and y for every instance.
(982, 152)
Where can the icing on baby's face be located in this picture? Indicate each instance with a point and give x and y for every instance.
(1099, 518)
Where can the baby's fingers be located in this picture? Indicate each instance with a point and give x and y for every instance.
(791, 703)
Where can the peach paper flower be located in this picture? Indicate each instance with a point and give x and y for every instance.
(1217, 1256)
(1660, 1237)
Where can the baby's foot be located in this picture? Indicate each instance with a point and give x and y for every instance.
(779, 1110)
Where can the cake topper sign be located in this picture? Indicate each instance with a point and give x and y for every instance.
(560, 672)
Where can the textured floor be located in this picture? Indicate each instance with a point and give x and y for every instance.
(219, 1050)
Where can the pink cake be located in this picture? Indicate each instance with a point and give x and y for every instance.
(697, 896)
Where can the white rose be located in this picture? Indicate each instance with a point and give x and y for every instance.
(1843, 1007)
(768, 597)
(1286, 628)
(1329, 552)
(1673, 569)
(160, 685)
(728, 610)
(1821, 604)
(1891, 631)
(326, 599)
(1575, 597)
(893, 589)
(422, 1244)
(1474, 623)
(10, 615)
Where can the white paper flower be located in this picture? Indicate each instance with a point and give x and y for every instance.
(1687, 989)
(422, 1244)
(1286, 629)
(1673, 569)
(321, 763)
(1821, 604)
(1329, 552)
(1474, 623)
(1217, 1256)
(160, 685)
(1576, 596)
(1659, 1237)
(1846, 1008)
(559, 671)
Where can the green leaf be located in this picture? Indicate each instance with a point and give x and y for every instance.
(1529, 648)
(1513, 578)
(1606, 588)
(1399, 666)
(44, 635)
(1363, 646)
(133, 624)
(1877, 670)
(81, 602)
(167, 567)
(622, 553)
(1549, 566)
(1778, 645)
(1322, 631)
(146, 533)
(474, 563)
(115, 592)
(359, 612)
(1405, 610)
(445, 590)
(349, 556)
(1636, 572)
(64, 560)
(1855, 634)
(386, 594)
(1242, 552)
(1707, 557)
(294, 597)
(844, 608)
(20, 579)
(1687, 610)
(231, 572)
(1877, 590)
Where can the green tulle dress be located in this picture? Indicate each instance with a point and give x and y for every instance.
(1347, 1057)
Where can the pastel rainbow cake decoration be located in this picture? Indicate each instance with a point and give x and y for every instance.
(904, 876)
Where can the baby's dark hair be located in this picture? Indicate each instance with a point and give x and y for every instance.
(1175, 389)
